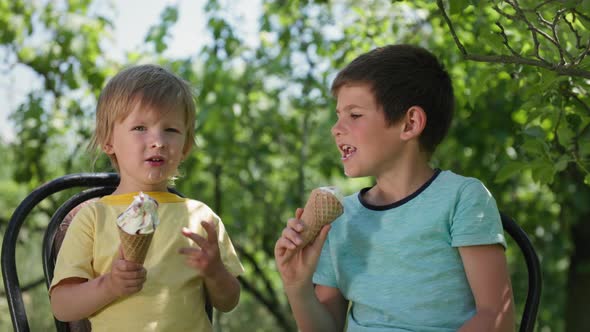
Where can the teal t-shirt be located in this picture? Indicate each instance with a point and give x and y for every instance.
(399, 264)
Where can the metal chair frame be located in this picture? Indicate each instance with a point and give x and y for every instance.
(535, 278)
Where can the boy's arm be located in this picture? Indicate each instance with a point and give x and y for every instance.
(78, 298)
(487, 273)
(223, 290)
(320, 309)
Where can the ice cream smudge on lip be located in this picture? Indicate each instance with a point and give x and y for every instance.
(141, 217)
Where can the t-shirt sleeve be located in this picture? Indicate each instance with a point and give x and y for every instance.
(325, 274)
(227, 251)
(476, 220)
(75, 255)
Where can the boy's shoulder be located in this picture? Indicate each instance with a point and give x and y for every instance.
(193, 202)
(455, 185)
(459, 178)
(449, 178)
(196, 206)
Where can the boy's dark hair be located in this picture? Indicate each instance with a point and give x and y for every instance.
(402, 76)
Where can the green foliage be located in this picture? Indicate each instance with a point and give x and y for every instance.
(159, 34)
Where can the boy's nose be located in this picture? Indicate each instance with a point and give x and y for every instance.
(158, 142)
(336, 129)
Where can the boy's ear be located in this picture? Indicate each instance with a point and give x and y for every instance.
(414, 122)
(108, 148)
(186, 150)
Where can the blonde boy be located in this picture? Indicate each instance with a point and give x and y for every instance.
(145, 123)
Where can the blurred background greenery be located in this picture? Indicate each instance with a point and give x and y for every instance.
(521, 75)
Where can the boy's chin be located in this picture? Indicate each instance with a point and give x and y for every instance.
(156, 177)
(353, 173)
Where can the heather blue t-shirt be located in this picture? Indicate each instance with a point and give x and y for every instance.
(399, 264)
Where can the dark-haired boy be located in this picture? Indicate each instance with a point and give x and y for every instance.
(422, 249)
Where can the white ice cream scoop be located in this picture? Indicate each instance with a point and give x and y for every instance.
(141, 217)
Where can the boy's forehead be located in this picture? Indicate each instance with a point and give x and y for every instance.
(355, 94)
(144, 110)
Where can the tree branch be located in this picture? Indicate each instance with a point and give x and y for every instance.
(260, 274)
(582, 15)
(558, 68)
(505, 38)
(441, 7)
(537, 7)
(278, 314)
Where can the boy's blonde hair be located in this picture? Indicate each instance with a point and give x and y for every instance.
(151, 86)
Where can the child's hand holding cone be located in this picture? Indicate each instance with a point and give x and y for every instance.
(126, 277)
(296, 252)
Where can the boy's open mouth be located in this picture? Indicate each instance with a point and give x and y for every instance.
(347, 151)
(155, 160)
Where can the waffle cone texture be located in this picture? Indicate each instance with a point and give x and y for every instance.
(322, 208)
(135, 246)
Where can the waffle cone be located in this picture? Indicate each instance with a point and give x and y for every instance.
(321, 208)
(135, 246)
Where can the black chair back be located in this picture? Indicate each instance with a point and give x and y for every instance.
(533, 298)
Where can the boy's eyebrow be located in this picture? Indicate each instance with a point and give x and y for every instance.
(348, 108)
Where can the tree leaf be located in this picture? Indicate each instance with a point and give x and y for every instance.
(457, 6)
(509, 170)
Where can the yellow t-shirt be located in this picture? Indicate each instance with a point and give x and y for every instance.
(173, 296)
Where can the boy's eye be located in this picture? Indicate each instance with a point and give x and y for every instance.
(355, 116)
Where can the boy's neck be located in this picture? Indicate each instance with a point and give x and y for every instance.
(126, 189)
(398, 183)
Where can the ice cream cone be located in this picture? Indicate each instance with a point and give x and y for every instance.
(322, 208)
(135, 246)
(136, 227)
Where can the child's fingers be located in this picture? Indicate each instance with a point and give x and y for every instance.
(199, 240)
(287, 255)
(189, 251)
(284, 243)
(197, 259)
(295, 224)
(285, 249)
(131, 288)
(127, 282)
(292, 235)
(134, 275)
(200, 258)
(298, 213)
(211, 232)
(121, 253)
